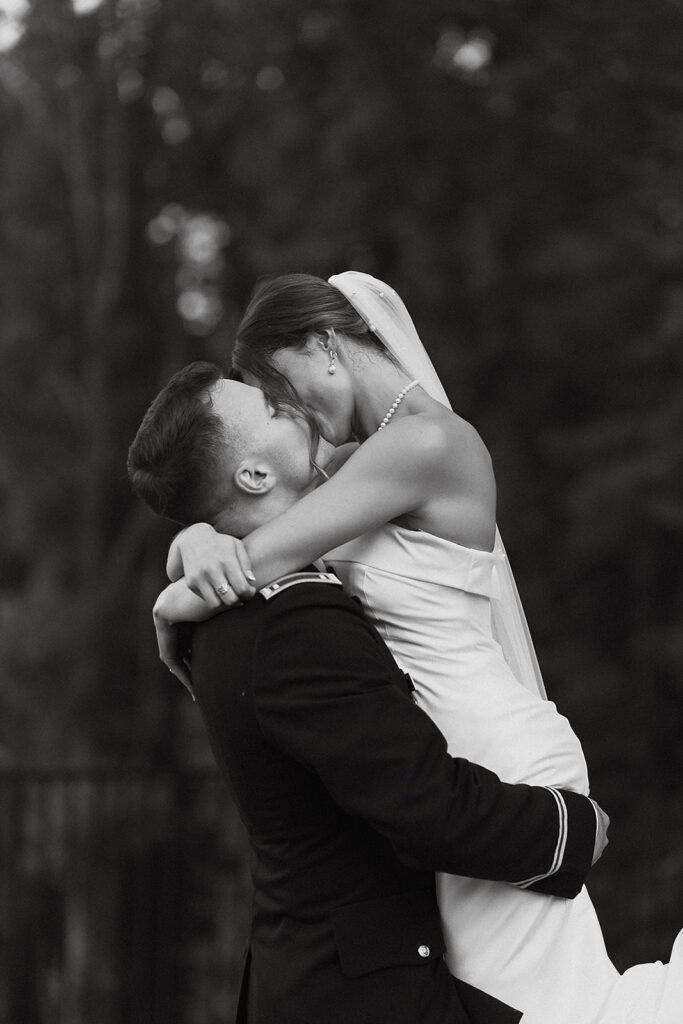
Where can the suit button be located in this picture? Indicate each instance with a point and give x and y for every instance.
(424, 951)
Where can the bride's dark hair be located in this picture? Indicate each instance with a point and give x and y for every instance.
(282, 313)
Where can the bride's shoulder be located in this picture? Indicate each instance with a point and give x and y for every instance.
(437, 434)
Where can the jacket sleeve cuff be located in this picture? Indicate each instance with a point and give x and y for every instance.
(573, 853)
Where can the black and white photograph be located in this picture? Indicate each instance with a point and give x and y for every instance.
(341, 512)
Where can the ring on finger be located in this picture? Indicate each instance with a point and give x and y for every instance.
(223, 589)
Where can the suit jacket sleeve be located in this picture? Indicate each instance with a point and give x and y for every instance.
(326, 692)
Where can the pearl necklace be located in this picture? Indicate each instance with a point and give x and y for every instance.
(397, 401)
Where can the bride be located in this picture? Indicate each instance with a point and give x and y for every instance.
(407, 521)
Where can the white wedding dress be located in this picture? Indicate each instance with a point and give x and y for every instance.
(545, 956)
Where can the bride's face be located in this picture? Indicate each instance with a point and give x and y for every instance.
(329, 396)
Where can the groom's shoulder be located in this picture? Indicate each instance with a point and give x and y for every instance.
(290, 615)
(302, 597)
(307, 621)
(300, 623)
(296, 599)
(311, 611)
(305, 603)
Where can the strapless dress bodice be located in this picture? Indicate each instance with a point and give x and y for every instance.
(430, 599)
(418, 555)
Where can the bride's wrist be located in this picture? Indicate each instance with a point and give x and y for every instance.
(194, 530)
(175, 562)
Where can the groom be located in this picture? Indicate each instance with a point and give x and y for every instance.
(349, 797)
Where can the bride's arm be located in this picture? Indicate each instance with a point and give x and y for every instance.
(391, 474)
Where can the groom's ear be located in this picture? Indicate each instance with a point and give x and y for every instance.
(254, 478)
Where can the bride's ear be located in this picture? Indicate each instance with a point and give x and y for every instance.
(327, 339)
(253, 478)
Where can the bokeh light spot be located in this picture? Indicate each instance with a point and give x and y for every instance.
(165, 101)
(200, 309)
(270, 79)
(203, 238)
(12, 13)
(130, 85)
(465, 55)
(167, 224)
(85, 6)
(176, 130)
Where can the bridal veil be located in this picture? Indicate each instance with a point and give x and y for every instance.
(389, 320)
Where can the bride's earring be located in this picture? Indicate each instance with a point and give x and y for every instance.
(332, 368)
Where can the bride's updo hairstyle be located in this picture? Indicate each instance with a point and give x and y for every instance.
(284, 312)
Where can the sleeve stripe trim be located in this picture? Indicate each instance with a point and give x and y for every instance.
(564, 829)
(561, 842)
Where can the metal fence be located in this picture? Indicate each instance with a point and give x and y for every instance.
(123, 897)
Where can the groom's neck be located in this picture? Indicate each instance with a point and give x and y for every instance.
(254, 512)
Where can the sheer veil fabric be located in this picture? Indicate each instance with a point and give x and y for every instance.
(389, 320)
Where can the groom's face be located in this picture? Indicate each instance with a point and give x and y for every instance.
(280, 441)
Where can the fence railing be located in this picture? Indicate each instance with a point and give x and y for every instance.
(123, 897)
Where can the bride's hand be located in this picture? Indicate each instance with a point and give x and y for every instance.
(216, 567)
(174, 608)
(601, 839)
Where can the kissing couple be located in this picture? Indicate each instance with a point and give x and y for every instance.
(366, 707)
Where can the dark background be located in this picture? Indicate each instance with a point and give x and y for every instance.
(513, 169)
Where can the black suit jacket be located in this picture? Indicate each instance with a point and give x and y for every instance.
(351, 803)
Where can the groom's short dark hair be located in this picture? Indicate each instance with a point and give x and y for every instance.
(178, 453)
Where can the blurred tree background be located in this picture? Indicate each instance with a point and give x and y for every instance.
(514, 169)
